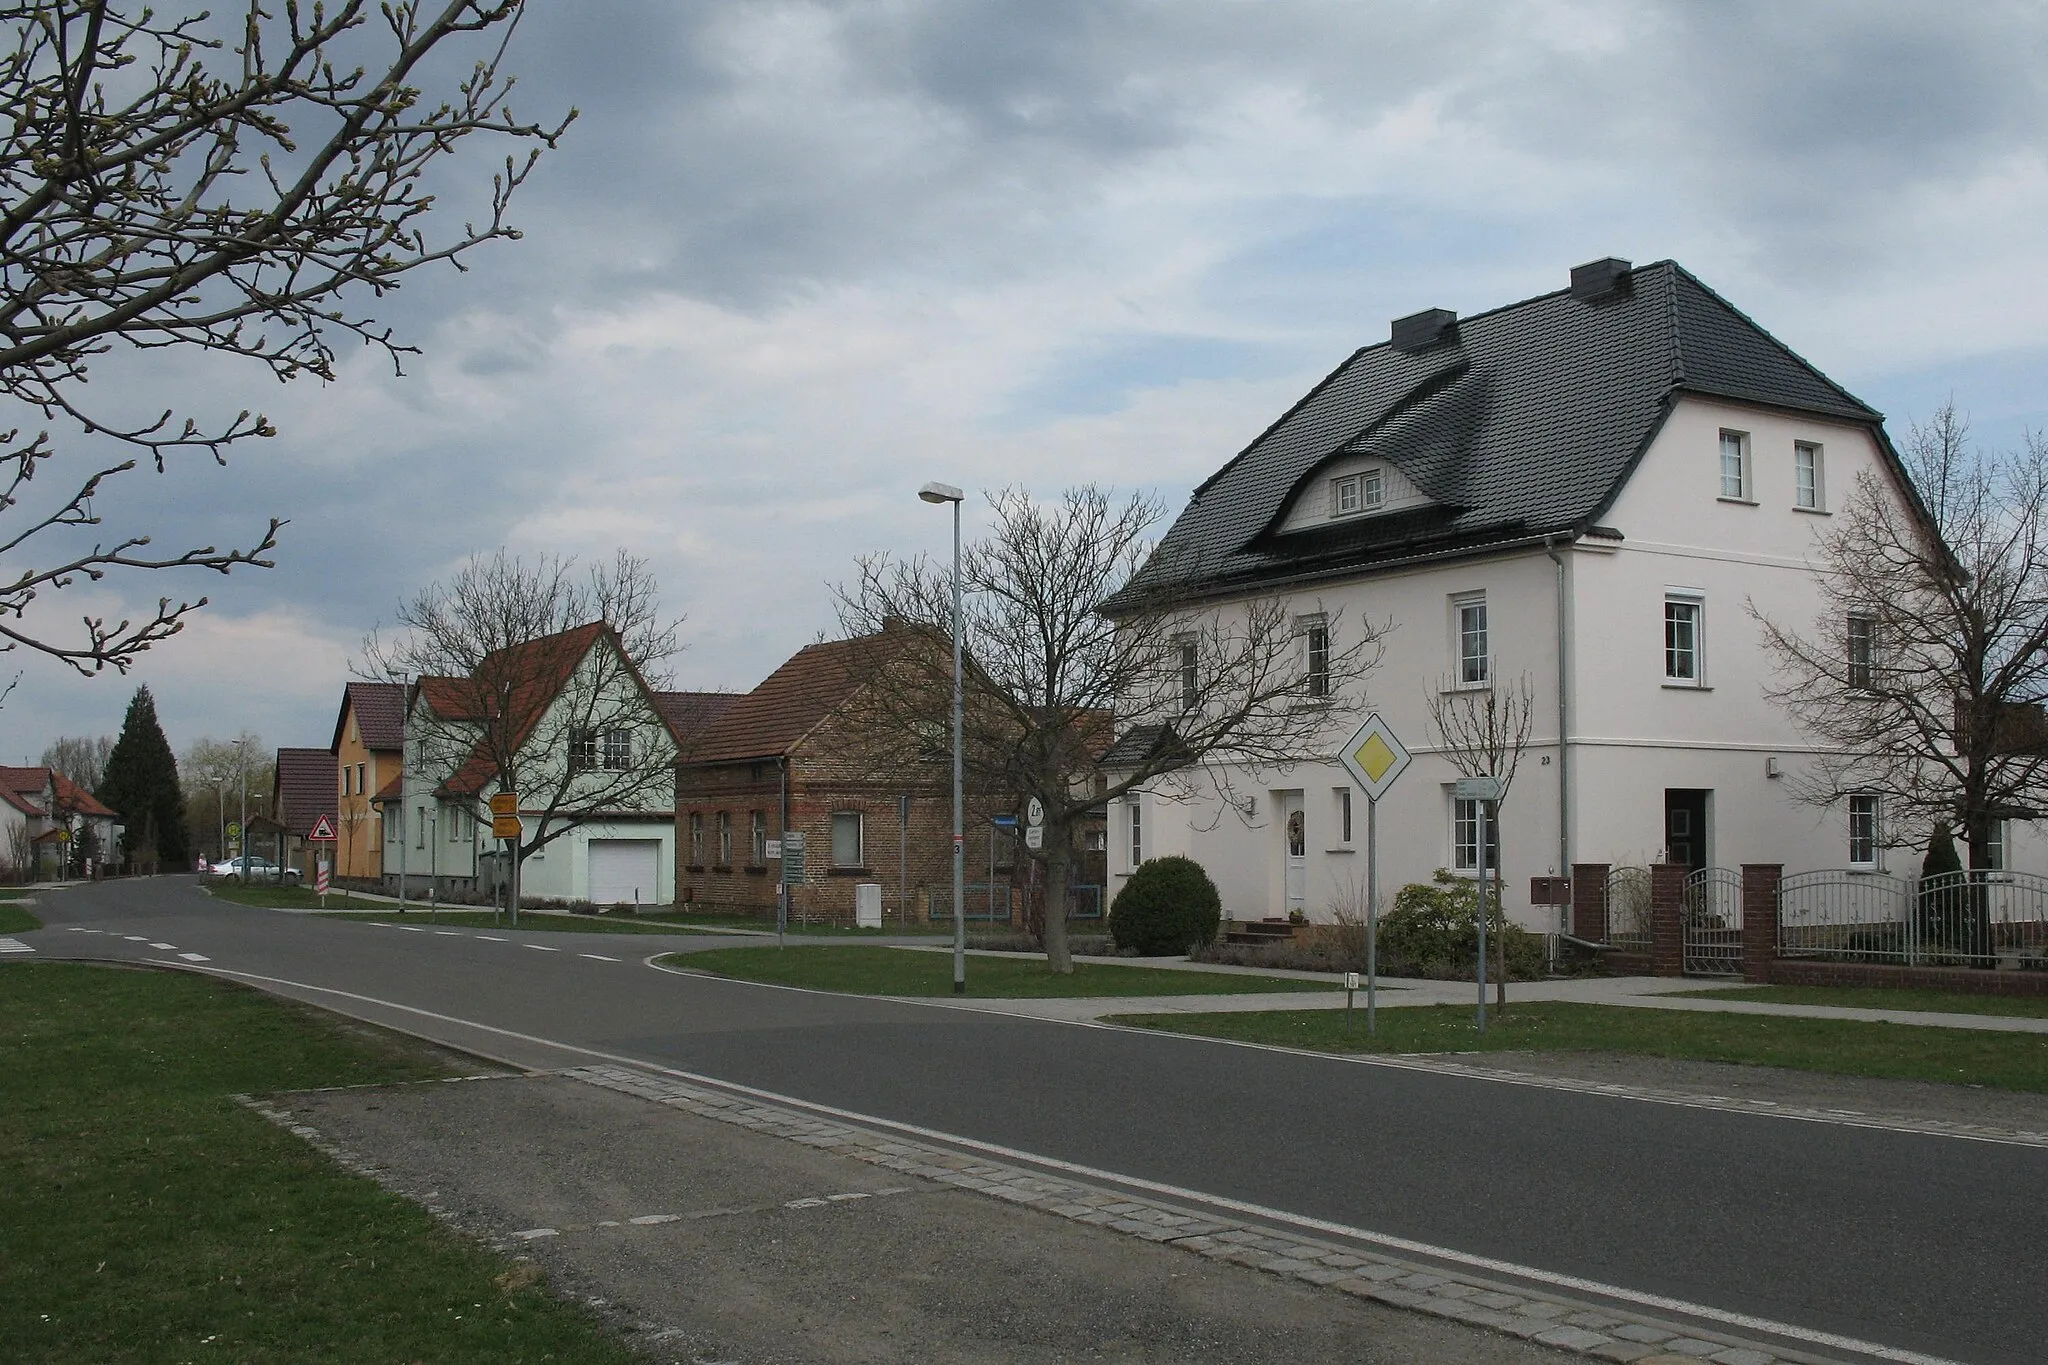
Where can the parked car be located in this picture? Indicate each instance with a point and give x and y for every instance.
(254, 870)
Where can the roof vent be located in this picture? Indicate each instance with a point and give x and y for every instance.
(1598, 279)
(1420, 331)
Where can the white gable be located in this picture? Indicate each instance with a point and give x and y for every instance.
(1349, 488)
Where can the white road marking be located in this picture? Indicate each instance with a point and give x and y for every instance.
(456, 933)
(648, 1220)
(144, 938)
(172, 947)
(1665, 1303)
(195, 957)
(540, 948)
(14, 945)
(411, 929)
(600, 957)
(488, 939)
(532, 1234)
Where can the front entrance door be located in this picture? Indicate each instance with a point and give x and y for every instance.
(1294, 834)
(1685, 827)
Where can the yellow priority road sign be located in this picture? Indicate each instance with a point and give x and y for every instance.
(1374, 756)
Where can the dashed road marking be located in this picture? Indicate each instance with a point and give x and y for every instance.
(456, 933)
(540, 948)
(144, 938)
(195, 957)
(597, 957)
(534, 1234)
(412, 929)
(172, 947)
(488, 938)
(648, 1220)
(14, 945)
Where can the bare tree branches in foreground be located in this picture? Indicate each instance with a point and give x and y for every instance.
(1923, 678)
(1063, 653)
(169, 182)
(534, 678)
(1483, 733)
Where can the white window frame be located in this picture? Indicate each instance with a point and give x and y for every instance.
(758, 838)
(859, 838)
(1315, 654)
(697, 838)
(1137, 829)
(457, 833)
(1735, 444)
(420, 834)
(725, 838)
(1809, 477)
(1345, 500)
(2000, 850)
(1341, 798)
(1697, 602)
(1187, 671)
(583, 750)
(1861, 672)
(1471, 669)
(1865, 808)
(1465, 837)
(1372, 489)
(616, 749)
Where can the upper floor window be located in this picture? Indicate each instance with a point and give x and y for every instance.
(1190, 675)
(1468, 621)
(459, 824)
(610, 749)
(347, 779)
(1735, 465)
(582, 750)
(1351, 494)
(1863, 830)
(362, 774)
(1137, 829)
(1862, 650)
(725, 838)
(1315, 671)
(760, 838)
(1807, 488)
(1683, 661)
(618, 749)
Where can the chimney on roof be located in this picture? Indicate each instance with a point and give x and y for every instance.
(1599, 279)
(1420, 331)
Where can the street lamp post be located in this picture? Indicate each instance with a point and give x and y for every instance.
(942, 493)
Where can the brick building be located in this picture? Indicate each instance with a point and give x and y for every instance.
(794, 745)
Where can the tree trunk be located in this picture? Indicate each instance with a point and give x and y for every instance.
(1058, 859)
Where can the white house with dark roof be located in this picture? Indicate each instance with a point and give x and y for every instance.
(1584, 489)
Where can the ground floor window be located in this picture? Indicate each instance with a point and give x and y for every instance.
(1137, 831)
(846, 839)
(1863, 830)
(725, 838)
(1465, 823)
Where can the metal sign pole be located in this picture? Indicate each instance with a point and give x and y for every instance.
(1479, 811)
(1372, 916)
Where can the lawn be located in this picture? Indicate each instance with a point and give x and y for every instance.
(861, 970)
(270, 896)
(1883, 998)
(15, 920)
(149, 1217)
(2007, 1061)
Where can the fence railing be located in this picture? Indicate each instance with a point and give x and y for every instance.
(1713, 922)
(1628, 908)
(1968, 918)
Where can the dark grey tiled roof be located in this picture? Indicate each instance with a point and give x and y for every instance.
(1140, 745)
(1526, 423)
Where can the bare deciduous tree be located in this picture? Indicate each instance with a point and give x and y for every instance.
(534, 678)
(167, 181)
(81, 758)
(1065, 649)
(1922, 680)
(1482, 732)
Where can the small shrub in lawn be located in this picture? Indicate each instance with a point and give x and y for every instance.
(1433, 931)
(1168, 906)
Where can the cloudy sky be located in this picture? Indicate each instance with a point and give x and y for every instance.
(795, 259)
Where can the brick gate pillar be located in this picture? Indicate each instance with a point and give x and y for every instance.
(1667, 919)
(1589, 902)
(1760, 919)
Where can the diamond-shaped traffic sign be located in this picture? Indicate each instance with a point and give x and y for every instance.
(1374, 756)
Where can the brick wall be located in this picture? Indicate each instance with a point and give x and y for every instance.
(1667, 919)
(1589, 901)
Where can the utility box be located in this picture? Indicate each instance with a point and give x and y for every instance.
(867, 905)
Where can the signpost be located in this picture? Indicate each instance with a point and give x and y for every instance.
(1375, 757)
(505, 825)
(1034, 824)
(1484, 792)
(792, 875)
(323, 833)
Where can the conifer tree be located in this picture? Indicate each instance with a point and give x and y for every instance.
(141, 784)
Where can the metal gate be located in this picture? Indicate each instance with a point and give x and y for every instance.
(1713, 922)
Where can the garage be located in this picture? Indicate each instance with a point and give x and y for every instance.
(625, 871)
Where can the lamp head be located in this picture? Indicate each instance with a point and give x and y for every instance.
(940, 492)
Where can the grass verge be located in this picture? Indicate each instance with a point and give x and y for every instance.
(528, 921)
(1884, 998)
(860, 970)
(15, 920)
(149, 1217)
(270, 896)
(2007, 1061)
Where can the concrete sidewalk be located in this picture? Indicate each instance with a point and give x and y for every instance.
(1633, 992)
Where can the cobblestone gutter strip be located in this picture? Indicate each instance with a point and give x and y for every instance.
(1600, 1333)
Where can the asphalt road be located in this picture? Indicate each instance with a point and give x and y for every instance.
(1918, 1242)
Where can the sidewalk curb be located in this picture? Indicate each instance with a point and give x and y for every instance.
(1599, 1333)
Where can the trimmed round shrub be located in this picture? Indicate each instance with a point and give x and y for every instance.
(1168, 906)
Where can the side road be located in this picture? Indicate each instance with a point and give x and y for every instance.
(716, 1228)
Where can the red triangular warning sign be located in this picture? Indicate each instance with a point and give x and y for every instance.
(323, 829)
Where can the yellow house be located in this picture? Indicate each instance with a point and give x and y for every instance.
(368, 749)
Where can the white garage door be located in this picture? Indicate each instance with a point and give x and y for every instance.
(625, 871)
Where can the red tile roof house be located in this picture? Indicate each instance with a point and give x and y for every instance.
(593, 741)
(35, 805)
(792, 755)
(303, 791)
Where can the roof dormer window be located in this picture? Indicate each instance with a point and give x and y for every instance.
(1352, 494)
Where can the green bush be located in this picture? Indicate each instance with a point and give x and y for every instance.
(1168, 906)
(1433, 931)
